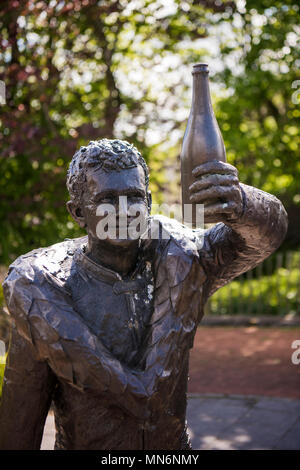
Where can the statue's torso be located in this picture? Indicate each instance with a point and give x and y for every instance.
(117, 310)
(76, 303)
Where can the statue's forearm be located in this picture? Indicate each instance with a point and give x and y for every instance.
(263, 223)
(64, 342)
(239, 245)
(77, 356)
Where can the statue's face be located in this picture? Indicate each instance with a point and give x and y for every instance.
(121, 194)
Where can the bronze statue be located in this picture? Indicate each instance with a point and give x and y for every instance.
(103, 327)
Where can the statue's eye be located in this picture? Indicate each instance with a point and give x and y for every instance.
(107, 199)
(136, 197)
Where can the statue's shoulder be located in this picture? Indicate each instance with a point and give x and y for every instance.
(176, 250)
(52, 263)
(35, 277)
(186, 240)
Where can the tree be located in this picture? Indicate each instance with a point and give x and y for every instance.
(86, 69)
(259, 117)
(73, 73)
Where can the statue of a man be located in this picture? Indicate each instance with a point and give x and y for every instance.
(103, 327)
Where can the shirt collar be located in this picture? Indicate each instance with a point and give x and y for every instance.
(103, 273)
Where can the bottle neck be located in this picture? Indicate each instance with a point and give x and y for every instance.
(201, 101)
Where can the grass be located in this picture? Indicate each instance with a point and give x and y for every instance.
(276, 294)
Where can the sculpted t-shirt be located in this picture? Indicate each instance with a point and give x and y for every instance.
(117, 310)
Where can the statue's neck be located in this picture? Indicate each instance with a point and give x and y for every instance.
(120, 259)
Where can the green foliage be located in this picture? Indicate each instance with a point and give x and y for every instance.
(81, 70)
(259, 116)
(275, 294)
(76, 71)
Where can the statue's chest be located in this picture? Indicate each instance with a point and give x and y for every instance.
(117, 312)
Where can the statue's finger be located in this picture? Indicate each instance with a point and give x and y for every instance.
(213, 192)
(219, 208)
(214, 167)
(213, 180)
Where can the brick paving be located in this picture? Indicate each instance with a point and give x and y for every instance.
(246, 361)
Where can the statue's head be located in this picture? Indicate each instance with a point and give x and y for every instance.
(107, 178)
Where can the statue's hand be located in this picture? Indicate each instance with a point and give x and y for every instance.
(217, 187)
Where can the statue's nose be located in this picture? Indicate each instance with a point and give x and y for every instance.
(122, 206)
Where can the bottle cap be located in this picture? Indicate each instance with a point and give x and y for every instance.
(200, 68)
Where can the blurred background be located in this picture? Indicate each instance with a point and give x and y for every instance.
(75, 71)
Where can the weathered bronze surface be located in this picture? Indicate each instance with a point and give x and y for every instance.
(103, 328)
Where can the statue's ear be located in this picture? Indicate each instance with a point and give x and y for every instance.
(76, 213)
(149, 200)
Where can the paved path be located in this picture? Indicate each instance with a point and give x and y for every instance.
(243, 422)
(233, 422)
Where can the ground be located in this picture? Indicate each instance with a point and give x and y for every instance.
(242, 390)
(245, 361)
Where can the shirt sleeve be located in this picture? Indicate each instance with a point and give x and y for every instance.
(231, 249)
(26, 396)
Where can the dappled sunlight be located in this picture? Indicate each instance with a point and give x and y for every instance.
(215, 443)
(252, 348)
(250, 330)
(205, 418)
(254, 360)
(234, 422)
(212, 441)
(272, 362)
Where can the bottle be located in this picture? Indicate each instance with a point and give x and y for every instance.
(202, 141)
